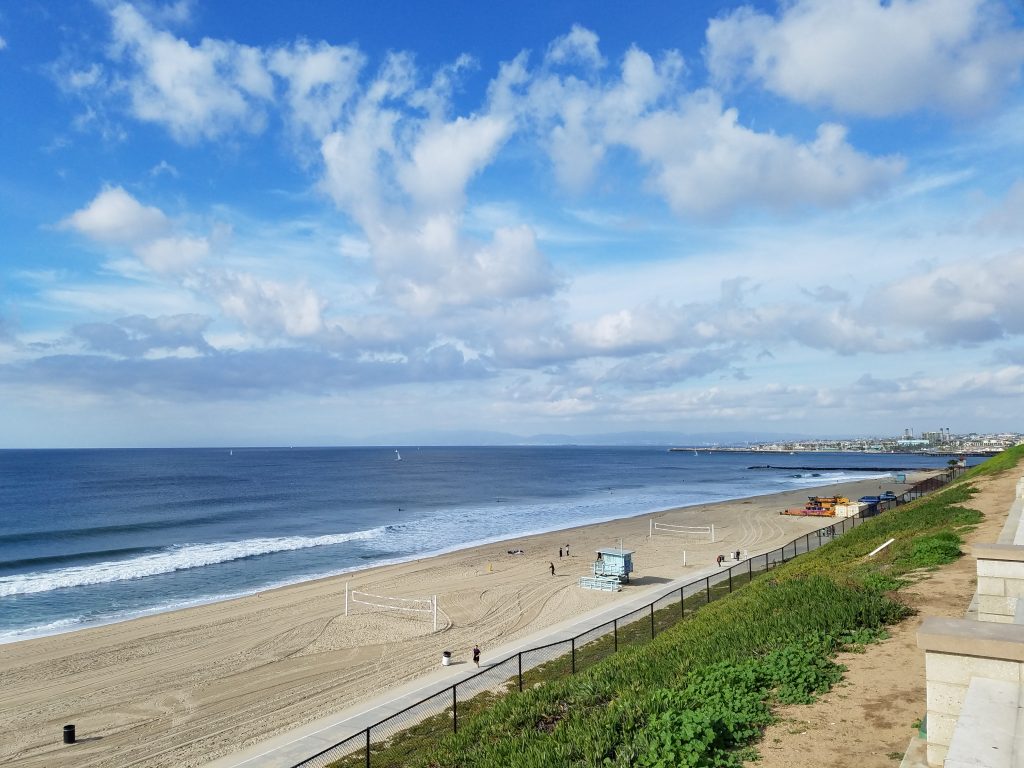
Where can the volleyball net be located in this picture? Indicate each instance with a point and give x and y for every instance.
(701, 532)
(425, 606)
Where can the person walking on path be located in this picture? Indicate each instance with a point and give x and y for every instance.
(476, 655)
(552, 568)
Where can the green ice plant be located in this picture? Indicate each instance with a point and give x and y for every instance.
(701, 691)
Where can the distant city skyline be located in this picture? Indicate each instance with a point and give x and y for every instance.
(228, 224)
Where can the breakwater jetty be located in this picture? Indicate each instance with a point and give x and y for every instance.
(840, 469)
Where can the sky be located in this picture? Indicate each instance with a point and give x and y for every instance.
(237, 223)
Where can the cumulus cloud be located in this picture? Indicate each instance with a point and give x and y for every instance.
(580, 45)
(704, 162)
(401, 174)
(320, 79)
(870, 57)
(699, 156)
(196, 92)
(265, 306)
(960, 303)
(114, 216)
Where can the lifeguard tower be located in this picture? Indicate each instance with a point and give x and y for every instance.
(611, 569)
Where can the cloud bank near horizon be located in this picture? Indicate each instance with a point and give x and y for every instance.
(749, 232)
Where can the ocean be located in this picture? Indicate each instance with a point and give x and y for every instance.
(96, 536)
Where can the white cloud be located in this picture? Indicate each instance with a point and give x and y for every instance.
(321, 79)
(164, 167)
(173, 254)
(873, 58)
(401, 176)
(704, 162)
(195, 92)
(701, 159)
(114, 216)
(447, 156)
(580, 45)
(268, 307)
(84, 79)
(964, 302)
(3, 43)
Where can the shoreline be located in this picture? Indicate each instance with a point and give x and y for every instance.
(184, 687)
(73, 625)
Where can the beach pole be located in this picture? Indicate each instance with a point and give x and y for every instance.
(712, 533)
(684, 558)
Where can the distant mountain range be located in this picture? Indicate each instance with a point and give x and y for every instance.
(666, 438)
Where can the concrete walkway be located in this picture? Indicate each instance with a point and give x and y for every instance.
(292, 747)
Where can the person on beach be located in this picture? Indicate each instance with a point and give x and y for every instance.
(566, 550)
(476, 655)
(721, 559)
(552, 568)
(559, 553)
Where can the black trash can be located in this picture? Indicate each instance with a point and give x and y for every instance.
(69, 734)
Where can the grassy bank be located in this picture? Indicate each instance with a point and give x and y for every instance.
(700, 693)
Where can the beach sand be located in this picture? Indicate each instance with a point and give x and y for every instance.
(185, 687)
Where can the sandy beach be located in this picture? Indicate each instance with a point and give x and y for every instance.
(186, 687)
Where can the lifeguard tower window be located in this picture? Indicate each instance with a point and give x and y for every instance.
(614, 562)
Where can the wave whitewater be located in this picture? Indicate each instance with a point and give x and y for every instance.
(177, 558)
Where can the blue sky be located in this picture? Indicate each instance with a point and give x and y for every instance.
(240, 223)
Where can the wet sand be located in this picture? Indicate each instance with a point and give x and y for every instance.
(186, 687)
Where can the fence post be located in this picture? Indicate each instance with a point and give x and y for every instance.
(615, 632)
(652, 621)
(767, 565)
(730, 579)
(520, 657)
(573, 656)
(367, 748)
(707, 587)
(682, 604)
(750, 569)
(455, 711)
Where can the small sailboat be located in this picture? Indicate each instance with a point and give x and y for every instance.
(398, 456)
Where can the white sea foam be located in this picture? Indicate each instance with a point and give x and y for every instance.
(177, 558)
(825, 477)
(53, 628)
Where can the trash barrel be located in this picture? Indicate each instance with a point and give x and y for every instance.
(69, 734)
(446, 658)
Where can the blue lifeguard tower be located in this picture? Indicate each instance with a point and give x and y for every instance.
(615, 562)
